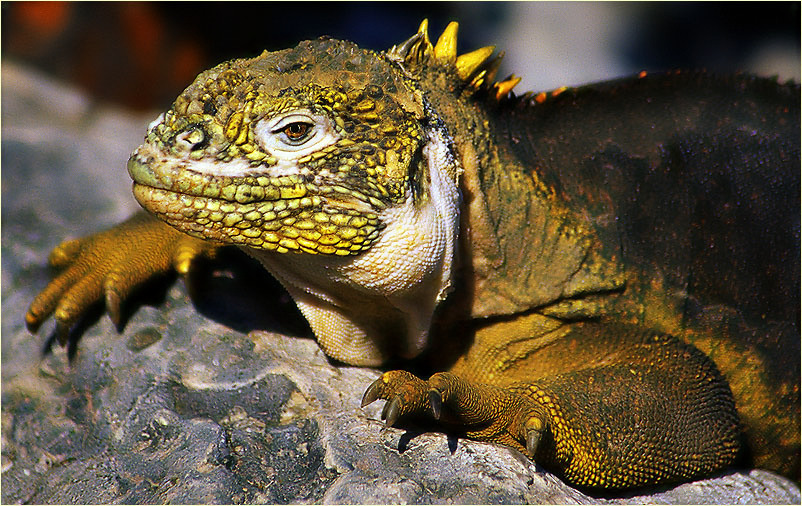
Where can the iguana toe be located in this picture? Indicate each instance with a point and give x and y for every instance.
(188, 249)
(74, 302)
(65, 253)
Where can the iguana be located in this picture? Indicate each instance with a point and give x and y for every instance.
(605, 278)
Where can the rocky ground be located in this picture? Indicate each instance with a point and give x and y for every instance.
(222, 397)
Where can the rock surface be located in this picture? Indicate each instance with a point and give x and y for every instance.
(218, 398)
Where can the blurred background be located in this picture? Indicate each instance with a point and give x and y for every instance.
(141, 55)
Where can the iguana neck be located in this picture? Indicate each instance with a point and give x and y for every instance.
(513, 225)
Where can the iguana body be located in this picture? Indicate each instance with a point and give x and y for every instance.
(565, 256)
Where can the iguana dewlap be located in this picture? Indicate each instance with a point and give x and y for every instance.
(609, 274)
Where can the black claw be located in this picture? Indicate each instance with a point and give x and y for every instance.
(436, 403)
(62, 333)
(372, 392)
(113, 303)
(391, 411)
(532, 441)
(32, 322)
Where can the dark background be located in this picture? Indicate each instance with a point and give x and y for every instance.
(142, 54)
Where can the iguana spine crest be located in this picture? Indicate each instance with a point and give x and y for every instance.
(476, 69)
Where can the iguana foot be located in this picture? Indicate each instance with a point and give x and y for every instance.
(110, 265)
(479, 411)
(655, 410)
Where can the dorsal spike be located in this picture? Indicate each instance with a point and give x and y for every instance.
(446, 48)
(415, 50)
(425, 48)
(504, 87)
(493, 66)
(469, 63)
(424, 29)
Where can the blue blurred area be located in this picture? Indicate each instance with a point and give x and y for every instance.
(143, 54)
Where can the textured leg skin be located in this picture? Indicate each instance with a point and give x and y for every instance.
(110, 265)
(625, 409)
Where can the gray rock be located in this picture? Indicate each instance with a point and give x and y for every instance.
(221, 398)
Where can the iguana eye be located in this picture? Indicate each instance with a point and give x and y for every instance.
(296, 134)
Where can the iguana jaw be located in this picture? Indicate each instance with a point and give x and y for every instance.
(367, 308)
(275, 212)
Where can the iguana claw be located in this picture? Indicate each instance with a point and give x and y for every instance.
(534, 427)
(533, 441)
(391, 411)
(114, 300)
(62, 332)
(436, 403)
(372, 393)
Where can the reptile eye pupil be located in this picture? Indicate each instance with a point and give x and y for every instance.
(296, 131)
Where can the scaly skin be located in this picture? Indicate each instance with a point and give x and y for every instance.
(413, 207)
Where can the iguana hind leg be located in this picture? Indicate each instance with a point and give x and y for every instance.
(654, 410)
(110, 265)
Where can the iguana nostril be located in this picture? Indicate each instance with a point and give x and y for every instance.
(191, 139)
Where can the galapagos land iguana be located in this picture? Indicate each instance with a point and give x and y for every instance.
(606, 276)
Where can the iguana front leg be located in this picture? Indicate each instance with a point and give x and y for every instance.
(110, 265)
(656, 411)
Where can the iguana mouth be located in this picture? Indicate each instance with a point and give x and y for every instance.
(182, 178)
(281, 213)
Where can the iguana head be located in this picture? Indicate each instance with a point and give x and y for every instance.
(331, 152)
(297, 150)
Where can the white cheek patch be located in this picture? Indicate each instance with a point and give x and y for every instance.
(234, 168)
(241, 168)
